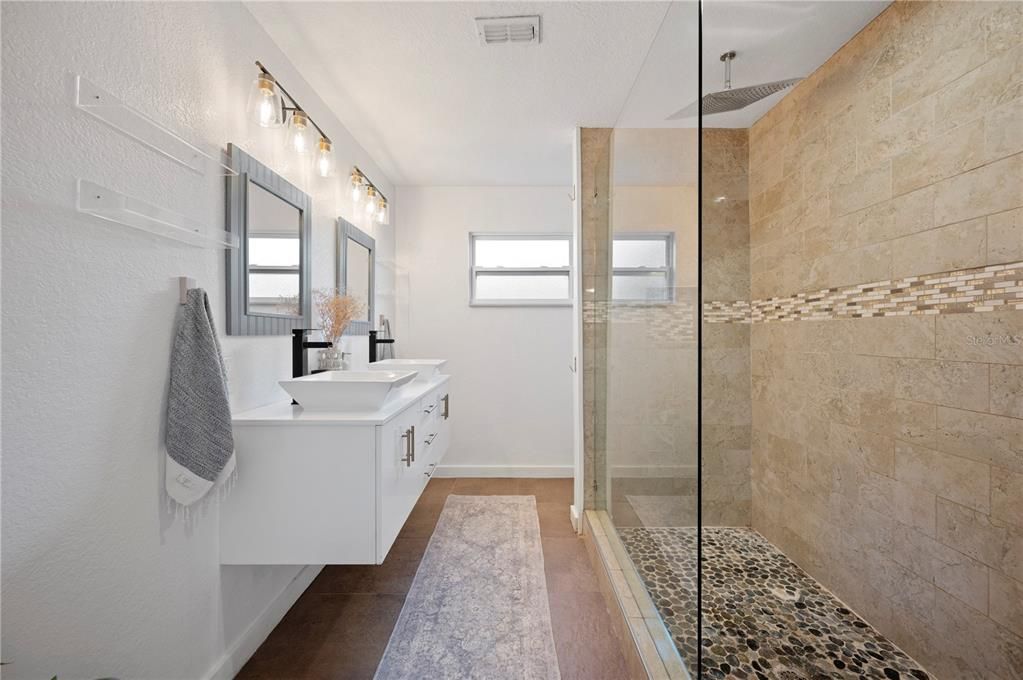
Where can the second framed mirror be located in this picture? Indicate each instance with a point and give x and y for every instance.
(356, 262)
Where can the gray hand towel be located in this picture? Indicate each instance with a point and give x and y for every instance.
(200, 444)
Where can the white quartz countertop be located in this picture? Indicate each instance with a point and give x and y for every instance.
(286, 413)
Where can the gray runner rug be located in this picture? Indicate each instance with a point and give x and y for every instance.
(478, 605)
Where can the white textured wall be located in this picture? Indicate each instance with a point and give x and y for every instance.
(512, 389)
(99, 578)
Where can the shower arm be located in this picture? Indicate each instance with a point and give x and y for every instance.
(727, 58)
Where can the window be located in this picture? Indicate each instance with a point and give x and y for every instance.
(520, 269)
(643, 267)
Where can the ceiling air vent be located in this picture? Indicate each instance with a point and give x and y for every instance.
(524, 30)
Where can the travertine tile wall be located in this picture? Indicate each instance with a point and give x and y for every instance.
(725, 398)
(888, 452)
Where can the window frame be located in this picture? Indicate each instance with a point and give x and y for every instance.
(668, 237)
(475, 270)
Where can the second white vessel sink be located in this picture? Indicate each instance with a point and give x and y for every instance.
(427, 369)
(346, 391)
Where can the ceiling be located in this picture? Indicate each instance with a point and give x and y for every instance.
(774, 40)
(413, 85)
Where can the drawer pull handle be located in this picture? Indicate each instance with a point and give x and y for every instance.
(409, 455)
(430, 409)
(412, 439)
(430, 439)
(430, 473)
(447, 406)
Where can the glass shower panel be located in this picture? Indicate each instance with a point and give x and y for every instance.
(639, 275)
(651, 333)
(652, 398)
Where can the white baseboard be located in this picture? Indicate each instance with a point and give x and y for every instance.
(574, 516)
(246, 645)
(504, 471)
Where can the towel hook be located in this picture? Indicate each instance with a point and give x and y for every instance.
(184, 283)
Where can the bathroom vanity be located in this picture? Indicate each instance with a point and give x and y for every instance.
(323, 487)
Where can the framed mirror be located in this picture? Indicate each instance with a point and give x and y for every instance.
(268, 274)
(356, 262)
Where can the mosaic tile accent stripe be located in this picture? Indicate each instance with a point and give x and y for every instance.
(673, 321)
(982, 289)
(763, 616)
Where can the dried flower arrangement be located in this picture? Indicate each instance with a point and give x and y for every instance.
(336, 310)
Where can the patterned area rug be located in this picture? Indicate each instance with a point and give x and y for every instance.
(763, 616)
(478, 606)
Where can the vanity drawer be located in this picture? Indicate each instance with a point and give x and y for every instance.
(432, 403)
(439, 432)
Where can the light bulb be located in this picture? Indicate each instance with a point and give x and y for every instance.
(265, 105)
(300, 133)
(357, 187)
(371, 201)
(381, 214)
(324, 158)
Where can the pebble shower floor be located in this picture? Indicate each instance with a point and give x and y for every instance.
(763, 616)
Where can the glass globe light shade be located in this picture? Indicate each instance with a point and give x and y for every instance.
(301, 133)
(324, 158)
(265, 106)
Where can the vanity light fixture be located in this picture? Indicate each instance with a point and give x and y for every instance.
(270, 105)
(363, 190)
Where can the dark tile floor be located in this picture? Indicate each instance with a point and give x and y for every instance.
(763, 616)
(340, 626)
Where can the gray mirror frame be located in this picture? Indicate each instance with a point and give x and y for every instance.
(346, 230)
(239, 321)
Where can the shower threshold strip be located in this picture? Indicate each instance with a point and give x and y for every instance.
(763, 616)
(646, 643)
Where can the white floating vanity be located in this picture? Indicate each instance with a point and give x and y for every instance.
(325, 487)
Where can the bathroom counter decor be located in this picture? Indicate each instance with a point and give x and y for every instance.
(323, 487)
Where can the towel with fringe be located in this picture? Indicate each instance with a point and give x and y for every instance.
(200, 443)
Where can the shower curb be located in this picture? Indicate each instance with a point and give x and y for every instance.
(648, 648)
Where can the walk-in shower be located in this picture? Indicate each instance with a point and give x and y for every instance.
(803, 425)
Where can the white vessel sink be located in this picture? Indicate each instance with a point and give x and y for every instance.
(427, 369)
(346, 390)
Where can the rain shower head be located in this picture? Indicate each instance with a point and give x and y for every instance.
(729, 99)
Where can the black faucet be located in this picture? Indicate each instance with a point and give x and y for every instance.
(299, 345)
(373, 342)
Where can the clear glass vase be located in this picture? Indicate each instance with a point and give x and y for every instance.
(331, 359)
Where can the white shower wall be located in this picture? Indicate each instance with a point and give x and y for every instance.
(99, 577)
